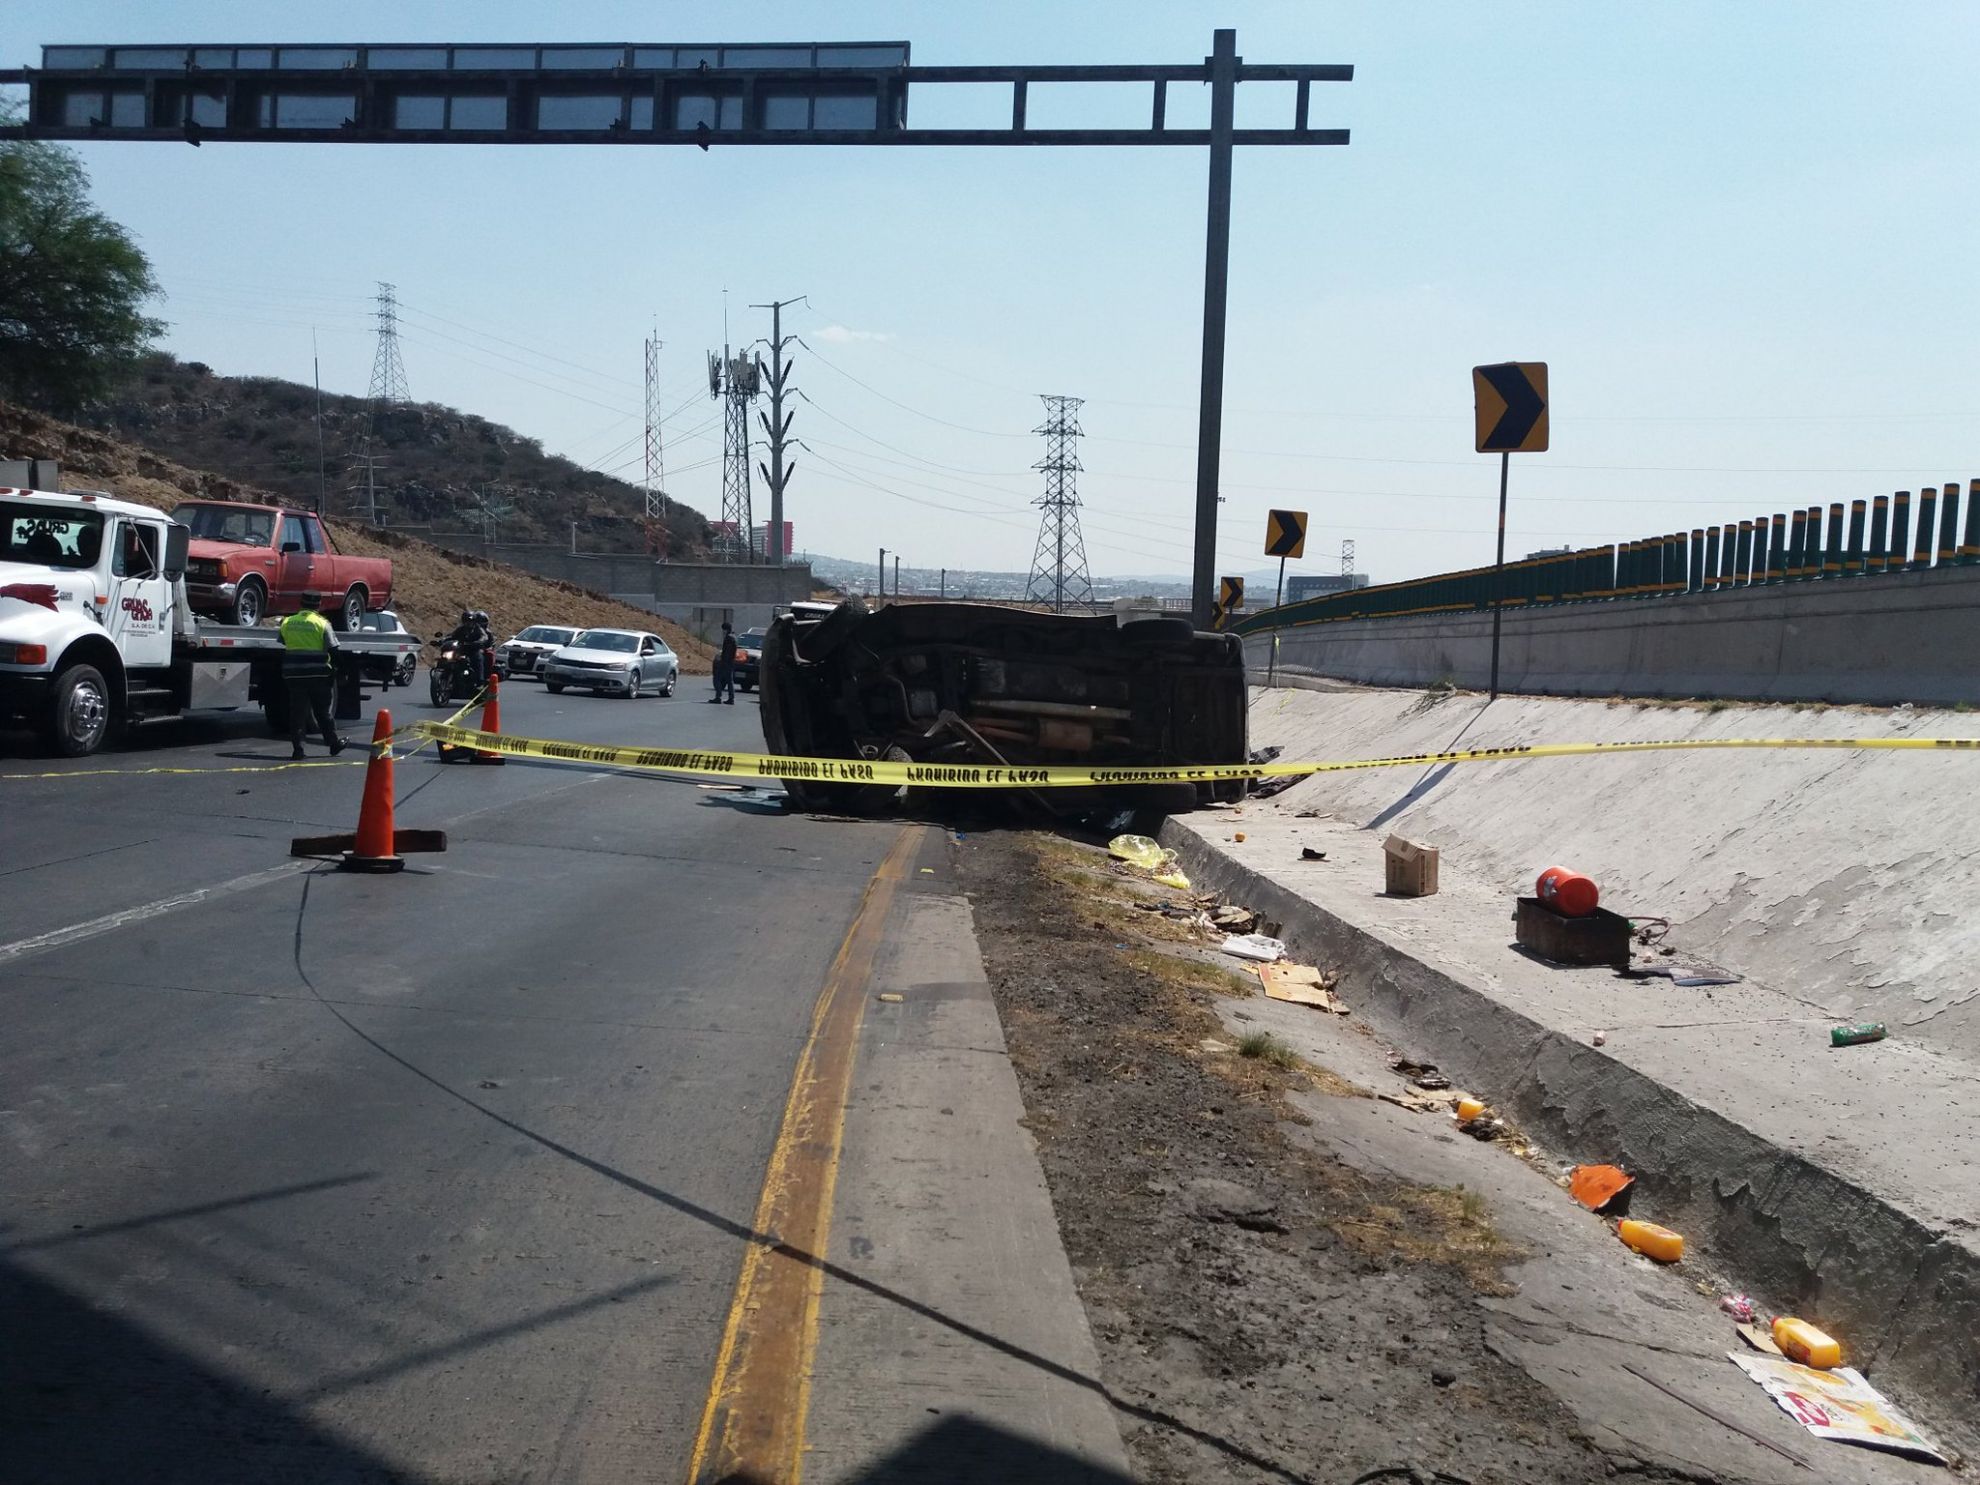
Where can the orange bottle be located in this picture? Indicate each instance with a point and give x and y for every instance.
(1802, 1342)
(1568, 893)
(1652, 1241)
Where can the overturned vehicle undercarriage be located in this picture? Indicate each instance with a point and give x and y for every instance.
(980, 683)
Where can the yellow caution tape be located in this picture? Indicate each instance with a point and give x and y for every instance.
(1065, 776)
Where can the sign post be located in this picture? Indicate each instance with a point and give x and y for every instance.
(1285, 536)
(1510, 401)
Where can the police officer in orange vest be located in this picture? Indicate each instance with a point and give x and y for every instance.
(307, 642)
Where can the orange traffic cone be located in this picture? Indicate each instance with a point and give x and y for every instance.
(375, 849)
(491, 719)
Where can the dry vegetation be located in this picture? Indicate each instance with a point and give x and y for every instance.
(432, 585)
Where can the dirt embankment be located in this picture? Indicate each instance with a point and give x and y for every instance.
(432, 585)
(1263, 1313)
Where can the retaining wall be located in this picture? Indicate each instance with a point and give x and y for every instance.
(637, 579)
(1879, 640)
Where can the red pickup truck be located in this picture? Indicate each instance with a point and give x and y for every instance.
(245, 561)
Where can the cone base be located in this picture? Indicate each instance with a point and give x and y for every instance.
(376, 865)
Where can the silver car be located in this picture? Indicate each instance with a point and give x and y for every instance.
(525, 654)
(625, 661)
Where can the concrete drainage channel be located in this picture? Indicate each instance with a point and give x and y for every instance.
(1905, 1296)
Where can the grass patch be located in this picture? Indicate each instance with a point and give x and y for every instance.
(1449, 1225)
(1265, 1047)
(1187, 974)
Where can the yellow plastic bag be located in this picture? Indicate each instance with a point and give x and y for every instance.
(1139, 850)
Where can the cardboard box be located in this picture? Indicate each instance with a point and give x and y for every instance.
(1410, 867)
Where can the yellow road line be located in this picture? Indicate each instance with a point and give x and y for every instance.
(752, 1426)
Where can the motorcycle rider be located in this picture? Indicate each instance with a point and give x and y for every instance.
(476, 637)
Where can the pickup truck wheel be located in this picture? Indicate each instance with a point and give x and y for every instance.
(555, 688)
(250, 603)
(350, 617)
(79, 715)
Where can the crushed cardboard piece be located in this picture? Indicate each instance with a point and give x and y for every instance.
(1302, 984)
(1838, 1405)
(1421, 1103)
(1756, 1336)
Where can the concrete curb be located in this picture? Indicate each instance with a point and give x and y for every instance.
(1905, 1296)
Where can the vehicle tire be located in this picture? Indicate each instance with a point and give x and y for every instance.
(746, 685)
(673, 678)
(250, 603)
(79, 718)
(438, 687)
(408, 668)
(632, 685)
(350, 617)
(833, 630)
(555, 688)
(1156, 630)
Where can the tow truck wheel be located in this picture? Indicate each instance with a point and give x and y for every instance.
(351, 616)
(78, 712)
(250, 603)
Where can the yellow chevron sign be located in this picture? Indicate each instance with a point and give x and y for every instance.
(1285, 533)
(1230, 593)
(1511, 403)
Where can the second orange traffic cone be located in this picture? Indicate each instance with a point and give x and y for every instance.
(491, 719)
(375, 849)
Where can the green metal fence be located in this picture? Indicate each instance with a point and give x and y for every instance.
(1784, 548)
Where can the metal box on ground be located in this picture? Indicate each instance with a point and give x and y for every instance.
(1600, 938)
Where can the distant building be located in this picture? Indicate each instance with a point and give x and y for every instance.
(1317, 584)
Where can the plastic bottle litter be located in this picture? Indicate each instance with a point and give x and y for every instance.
(1853, 1035)
(1651, 1240)
(1802, 1342)
(1568, 893)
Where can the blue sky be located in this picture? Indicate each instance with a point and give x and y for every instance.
(1740, 234)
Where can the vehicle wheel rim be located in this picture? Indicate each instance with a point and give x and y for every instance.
(89, 714)
(632, 686)
(353, 611)
(249, 607)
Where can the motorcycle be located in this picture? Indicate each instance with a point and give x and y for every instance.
(453, 675)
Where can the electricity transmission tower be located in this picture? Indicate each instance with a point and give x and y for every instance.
(777, 426)
(656, 472)
(1058, 567)
(736, 380)
(388, 387)
(1347, 556)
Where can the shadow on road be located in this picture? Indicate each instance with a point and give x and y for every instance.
(88, 1397)
(968, 1451)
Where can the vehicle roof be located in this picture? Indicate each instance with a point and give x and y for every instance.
(87, 500)
(611, 629)
(284, 510)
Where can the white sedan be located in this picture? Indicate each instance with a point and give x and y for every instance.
(625, 661)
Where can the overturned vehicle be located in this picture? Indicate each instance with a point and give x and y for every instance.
(968, 683)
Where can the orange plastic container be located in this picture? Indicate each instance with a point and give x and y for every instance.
(1568, 893)
(1652, 1241)
(1802, 1342)
(1469, 1109)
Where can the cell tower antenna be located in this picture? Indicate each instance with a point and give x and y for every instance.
(1058, 567)
(736, 380)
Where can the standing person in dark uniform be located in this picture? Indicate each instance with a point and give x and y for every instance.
(725, 667)
(307, 641)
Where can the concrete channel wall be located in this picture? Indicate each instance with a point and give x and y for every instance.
(1880, 640)
(639, 580)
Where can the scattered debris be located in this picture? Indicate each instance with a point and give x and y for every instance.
(890, 997)
(1218, 1200)
(1597, 1186)
(1568, 893)
(1601, 1038)
(1420, 1103)
(1856, 1035)
(1409, 868)
(1837, 1405)
(1173, 879)
(1139, 850)
(1805, 1343)
(1302, 984)
(1694, 977)
(1757, 1338)
(1740, 1307)
(1307, 853)
(1277, 785)
(1469, 1109)
(1432, 1080)
(1651, 1240)
(1254, 946)
(1238, 836)
(1233, 919)
(1314, 815)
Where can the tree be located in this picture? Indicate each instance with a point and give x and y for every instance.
(73, 284)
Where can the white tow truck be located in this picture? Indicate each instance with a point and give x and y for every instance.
(96, 631)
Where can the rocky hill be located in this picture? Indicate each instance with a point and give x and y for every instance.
(437, 467)
(432, 585)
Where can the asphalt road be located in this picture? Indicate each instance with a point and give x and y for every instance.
(314, 1176)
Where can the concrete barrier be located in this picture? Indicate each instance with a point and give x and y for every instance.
(632, 578)
(1878, 640)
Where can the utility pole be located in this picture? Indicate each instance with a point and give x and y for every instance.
(945, 582)
(883, 572)
(574, 526)
(1223, 62)
(316, 375)
(897, 574)
(777, 425)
